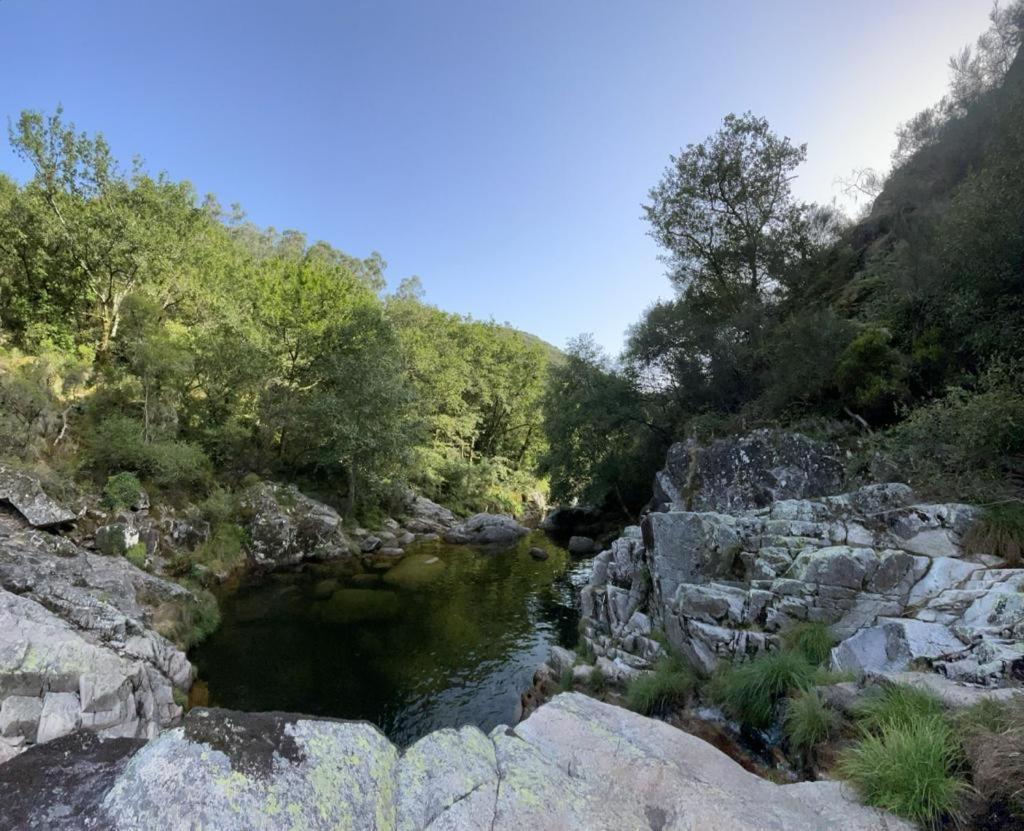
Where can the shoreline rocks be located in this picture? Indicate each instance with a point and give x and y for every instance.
(575, 763)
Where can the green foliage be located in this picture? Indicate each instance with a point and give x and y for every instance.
(750, 692)
(201, 619)
(869, 375)
(121, 490)
(666, 687)
(221, 554)
(136, 555)
(908, 767)
(596, 683)
(999, 531)
(897, 705)
(813, 641)
(808, 721)
(565, 680)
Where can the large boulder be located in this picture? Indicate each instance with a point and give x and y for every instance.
(424, 516)
(486, 529)
(285, 527)
(28, 498)
(752, 471)
(574, 763)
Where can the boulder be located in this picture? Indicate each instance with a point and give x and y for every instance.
(424, 516)
(24, 493)
(581, 545)
(115, 539)
(894, 644)
(751, 471)
(538, 553)
(286, 527)
(486, 529)
(573, 763)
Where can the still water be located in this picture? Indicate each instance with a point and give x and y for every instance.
(450, 636)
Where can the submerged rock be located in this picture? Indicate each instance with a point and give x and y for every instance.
(357, 605)
(575, 763)
(414, 571)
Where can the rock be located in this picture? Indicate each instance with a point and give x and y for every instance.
(286, 527)
(538, 553)
(894, 644)
(61, 714)
(575, 763)
(560, 659)
(954, 695)
(749, 471)
(427, 517)
(369, 544)
(19, 716)
(581, 545)
(689, 547)
(486, 529)
(415, 571)
(578, 519)
(28, 498)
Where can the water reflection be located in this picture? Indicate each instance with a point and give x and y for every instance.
(449, 636)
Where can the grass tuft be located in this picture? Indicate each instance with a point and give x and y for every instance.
(668, 685)
(909, 768)
(1000, 531)
(751, 691)
(808, 721)
(897, 704)
(812, 640)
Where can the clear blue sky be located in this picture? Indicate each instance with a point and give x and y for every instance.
(499, 150)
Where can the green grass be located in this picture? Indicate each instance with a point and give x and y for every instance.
(136, 555)
(1000, 531)
(898, 705)
(749, 692)
(565, 680)
(812, 640)
(909, 768)
(596, 682)
(808, 721)
(668, 685)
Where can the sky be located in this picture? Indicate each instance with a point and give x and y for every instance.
(498, 149)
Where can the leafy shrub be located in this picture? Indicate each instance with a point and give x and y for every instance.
(812, 640)
(896, 704)
(909, 768)
(219, 507)
(749, 692)
(808, 721)
(136, 555)
(223, 552)
(668, 685)
(869, 374)
(121, 490)
(202, 619)
(1000, 531)
(116, 443)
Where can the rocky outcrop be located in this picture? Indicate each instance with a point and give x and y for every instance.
(743, 472)
(79, 642)
(887, 575)
(486, 529)
(27, 497)
(574, 764)
(286, 527)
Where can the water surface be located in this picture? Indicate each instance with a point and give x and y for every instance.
(450, 636)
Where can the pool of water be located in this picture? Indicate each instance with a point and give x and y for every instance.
(450, 636)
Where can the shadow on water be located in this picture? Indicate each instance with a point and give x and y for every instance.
(449, 636)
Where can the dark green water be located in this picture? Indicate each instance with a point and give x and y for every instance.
(450, 636)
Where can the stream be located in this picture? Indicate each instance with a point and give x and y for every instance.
(449, 636)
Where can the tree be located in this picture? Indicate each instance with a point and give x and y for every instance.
(724, 211)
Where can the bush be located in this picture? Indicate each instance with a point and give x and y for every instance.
(897, 705)
(992, 734)
(1000, 531)
(749, 692)
(808, 721)
(121, 490)
(908, 768)
(223, 552)
(136, 555)
(202, 619)
(812, 640)
(667, 686)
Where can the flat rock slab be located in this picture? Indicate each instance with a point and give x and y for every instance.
(29, 499)
(576, 763)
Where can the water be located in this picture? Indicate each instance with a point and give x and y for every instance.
(450, 636)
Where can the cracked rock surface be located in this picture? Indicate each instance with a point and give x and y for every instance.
(576, 763)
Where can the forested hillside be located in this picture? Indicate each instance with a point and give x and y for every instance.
(899, 334)
(146, 331)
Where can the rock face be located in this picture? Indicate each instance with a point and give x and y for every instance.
(486, 529)
(27, 497)
(574, 764)
(888, 576)
(78, 642)
(752, 471)
(286, 527)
